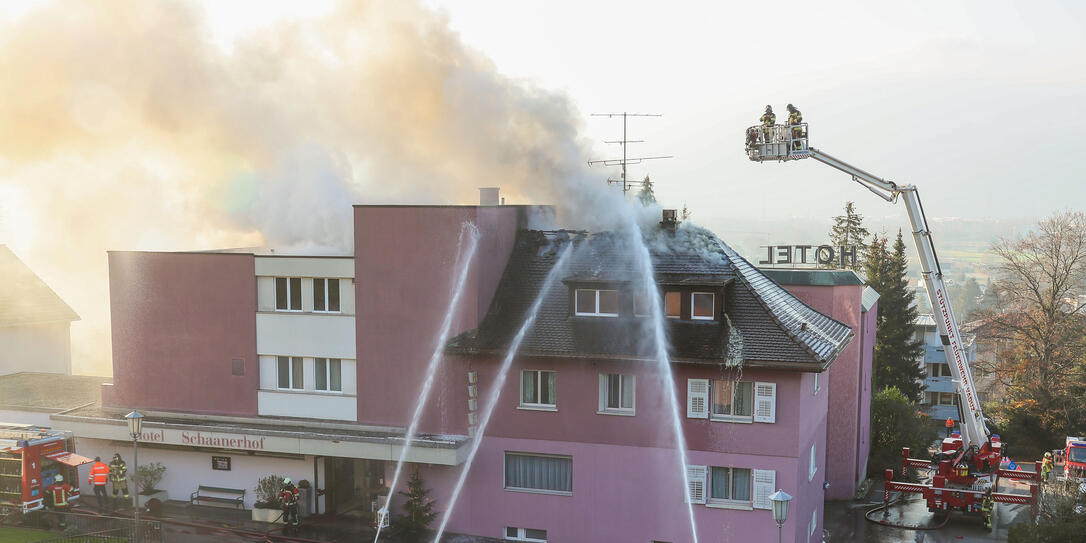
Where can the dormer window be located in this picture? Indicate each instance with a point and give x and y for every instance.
(673, 302)
(701, 306)
(596, 303)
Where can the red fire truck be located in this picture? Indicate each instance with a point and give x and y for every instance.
(1073, 459)
(30, 457)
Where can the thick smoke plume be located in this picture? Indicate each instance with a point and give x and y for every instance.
(122, 126)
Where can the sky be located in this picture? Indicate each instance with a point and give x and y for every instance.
(188, 125)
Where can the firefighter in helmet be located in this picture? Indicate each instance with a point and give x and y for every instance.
(1046, 467)
(986, 505)
(61, 494)
(288, 499)
(795, 118)
(118, 475)
(768, 120)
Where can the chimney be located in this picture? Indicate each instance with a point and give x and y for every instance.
(488, 196)
(670, 219)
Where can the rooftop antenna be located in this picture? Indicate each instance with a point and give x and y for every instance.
(626, 184)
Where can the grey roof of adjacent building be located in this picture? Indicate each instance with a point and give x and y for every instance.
(775, 327)
(49, 391)
(868, 299)
(25, 298)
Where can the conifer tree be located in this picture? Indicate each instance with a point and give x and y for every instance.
(848, 229)
(646, 195)
(897, 351)
(418, 510)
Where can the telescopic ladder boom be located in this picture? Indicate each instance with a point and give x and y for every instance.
(789, 142)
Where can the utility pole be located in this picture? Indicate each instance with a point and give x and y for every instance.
(626, 183)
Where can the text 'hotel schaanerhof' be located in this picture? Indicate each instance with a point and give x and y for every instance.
(310, 366)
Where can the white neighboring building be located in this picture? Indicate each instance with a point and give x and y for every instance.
(35, 324)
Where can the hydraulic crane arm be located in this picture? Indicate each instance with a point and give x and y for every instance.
(790, 143)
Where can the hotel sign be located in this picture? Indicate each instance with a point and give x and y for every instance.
(798, 256)
(203, 439)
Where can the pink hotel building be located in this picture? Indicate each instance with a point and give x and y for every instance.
(310, 367)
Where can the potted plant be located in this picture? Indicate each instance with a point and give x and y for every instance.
(267, 507)
(148, 476)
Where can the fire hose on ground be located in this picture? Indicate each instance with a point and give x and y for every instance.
(883, 522)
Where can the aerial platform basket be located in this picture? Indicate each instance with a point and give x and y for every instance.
(778, 142)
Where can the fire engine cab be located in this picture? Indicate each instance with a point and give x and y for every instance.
(30, 458)
(1073, 458)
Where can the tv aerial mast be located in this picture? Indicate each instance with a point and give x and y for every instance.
(625, 160)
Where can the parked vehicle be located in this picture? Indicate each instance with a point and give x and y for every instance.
(30, 459)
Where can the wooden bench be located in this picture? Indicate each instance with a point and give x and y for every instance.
(237, 496)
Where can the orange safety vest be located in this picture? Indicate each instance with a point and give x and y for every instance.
(99, 474)
(60, 494)
(949, 422)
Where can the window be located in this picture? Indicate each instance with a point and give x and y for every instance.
(328, 374)
(538, 389)
(600, 303)
(525, 534)
(642, 304)
(326, 295)
(701, 306)
(539, 473)
(813, 467)
(616, 393)
(947, 398)
(290, 372)
(237, 367)
(288, 294)
(672, 305)
(730, 484)
(731, 399)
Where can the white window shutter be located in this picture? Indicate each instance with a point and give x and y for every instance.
(697, 398)
(765, 402)
(696, 480)
(764, 482)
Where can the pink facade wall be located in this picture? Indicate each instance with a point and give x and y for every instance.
(847, 384)
(178, 320)
(404, 270)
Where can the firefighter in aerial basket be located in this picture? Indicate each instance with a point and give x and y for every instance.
(986, 505)
(768, 120)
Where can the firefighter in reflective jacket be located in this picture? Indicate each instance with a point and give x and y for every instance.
(98, 477)
(795, 118)
(288, 498)
(1046, 467)
(986, 504)
(118, 475)
(768, 120)
(60, 494)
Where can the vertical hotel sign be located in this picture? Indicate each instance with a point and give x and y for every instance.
(800, 256)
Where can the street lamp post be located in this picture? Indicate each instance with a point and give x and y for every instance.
(135, 424)
(780, 500)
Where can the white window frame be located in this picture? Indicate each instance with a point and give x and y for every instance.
(680, 295)
(505, 483)
(327, 375)
(694, 317)
(339, 292)
(728, 502)
(521, 535)
(812, 469)
(595, 310)
(538, 391)
(290, 373)
(275, 297)
(743, 419)
(605, 389)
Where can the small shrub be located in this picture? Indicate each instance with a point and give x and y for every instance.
(267, 491)
(148, 476)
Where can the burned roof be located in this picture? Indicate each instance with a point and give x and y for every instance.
(769, 325)
(26, 299)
